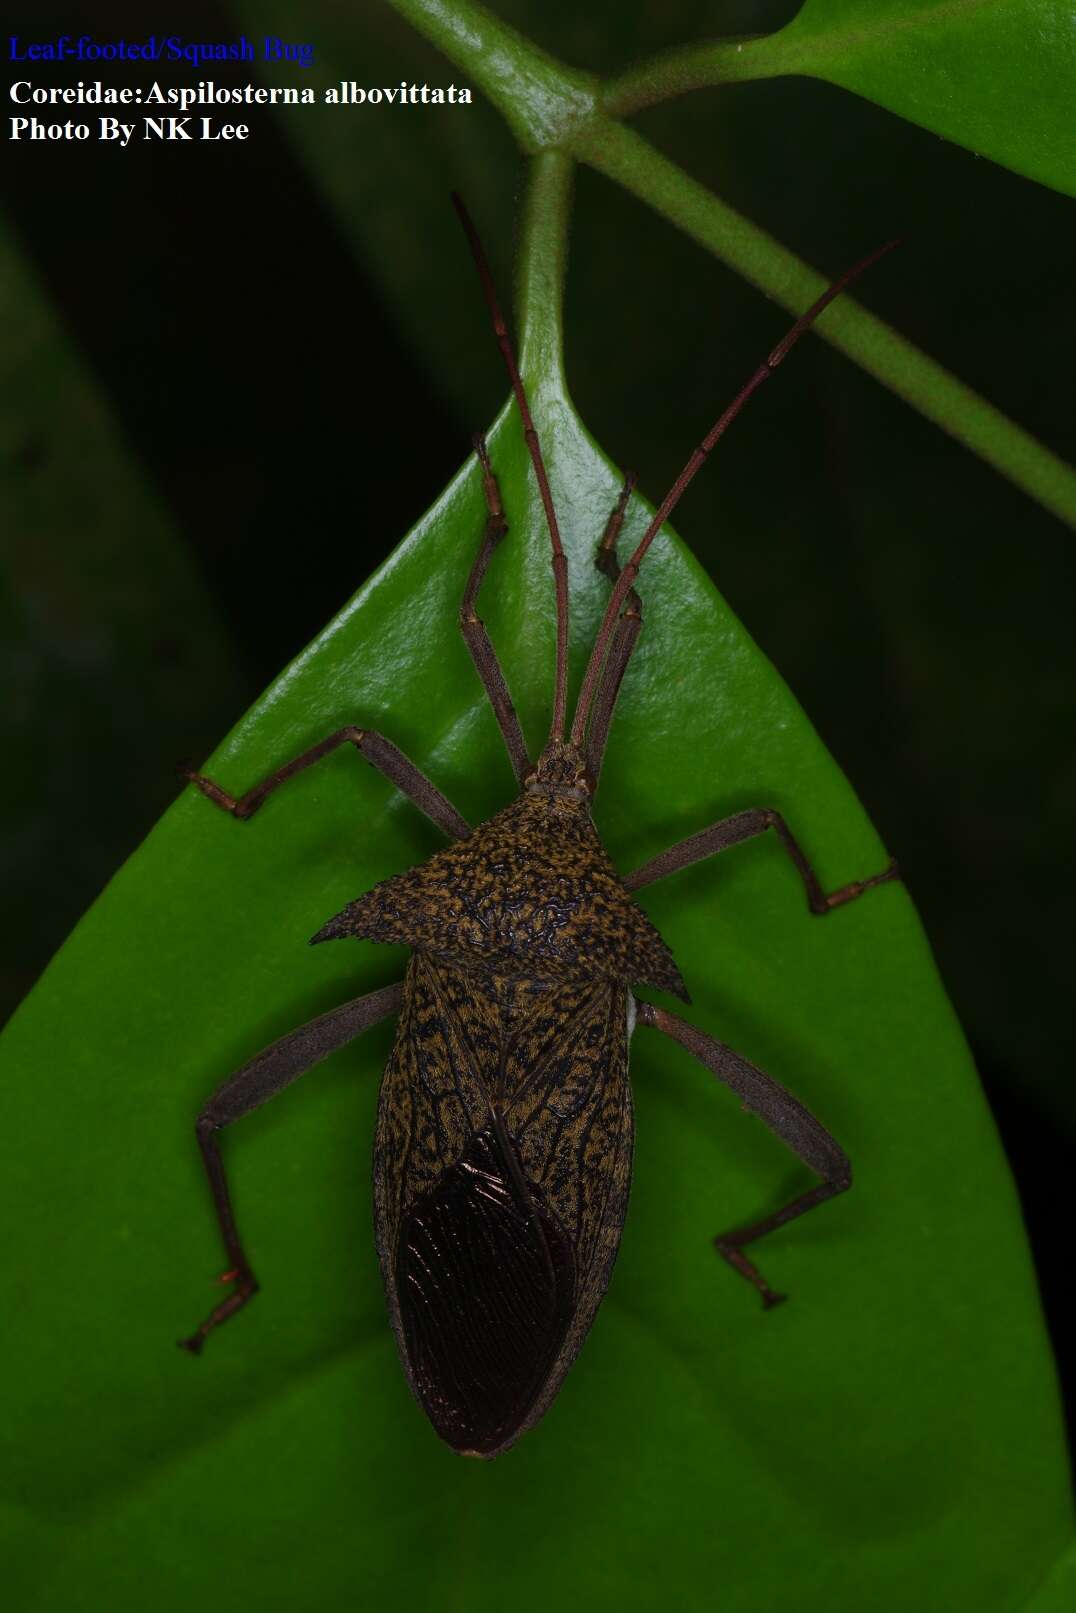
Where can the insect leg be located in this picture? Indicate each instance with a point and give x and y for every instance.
(473, 628)
(606, 557)
(269, 1073)
(378, 750)
(784, 1115)
(744, 826)
(628, 628)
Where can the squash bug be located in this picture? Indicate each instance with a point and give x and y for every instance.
(503, 1151)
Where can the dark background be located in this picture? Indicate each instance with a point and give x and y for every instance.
(294, 369)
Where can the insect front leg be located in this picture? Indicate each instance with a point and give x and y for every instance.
(784, 1115)
(269, 1073)
(745, 826)
(378, 751)
(473, 627)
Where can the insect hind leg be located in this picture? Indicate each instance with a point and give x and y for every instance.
(785, 1116)
(473, 627)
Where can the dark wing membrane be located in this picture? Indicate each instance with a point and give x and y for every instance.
(486, 1284)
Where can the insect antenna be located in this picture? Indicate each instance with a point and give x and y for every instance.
(631, 570)
(560, 564)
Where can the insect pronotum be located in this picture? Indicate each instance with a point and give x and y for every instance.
(503, 1150)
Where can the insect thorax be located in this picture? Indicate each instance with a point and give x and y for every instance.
(532, 890)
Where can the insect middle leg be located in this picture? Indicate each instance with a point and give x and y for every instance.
(378, 751)
(745, 826)
(784, 1115)
(270, 1072)
(473, 627)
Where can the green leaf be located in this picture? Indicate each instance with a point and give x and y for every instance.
(1057, 1593)
(890, 1436)
(993, 75)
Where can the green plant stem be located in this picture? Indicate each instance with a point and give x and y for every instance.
(624, 156)
(554, 110)
(696, 67)
(543, 262)
(540, 98)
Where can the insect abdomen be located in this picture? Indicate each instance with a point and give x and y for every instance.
(486, 1287)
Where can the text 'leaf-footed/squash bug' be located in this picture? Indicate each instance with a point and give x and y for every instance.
(503, 1150)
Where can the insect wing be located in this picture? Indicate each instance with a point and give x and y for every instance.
(502, 1168)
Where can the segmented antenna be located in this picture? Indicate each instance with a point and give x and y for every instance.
(560, 564)
(694, 464)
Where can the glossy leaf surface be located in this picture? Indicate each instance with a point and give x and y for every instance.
(995, 75)
(889, 1435)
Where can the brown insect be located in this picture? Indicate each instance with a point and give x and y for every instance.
(502, 1159)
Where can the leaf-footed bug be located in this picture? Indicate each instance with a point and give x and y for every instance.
(502, 1159)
